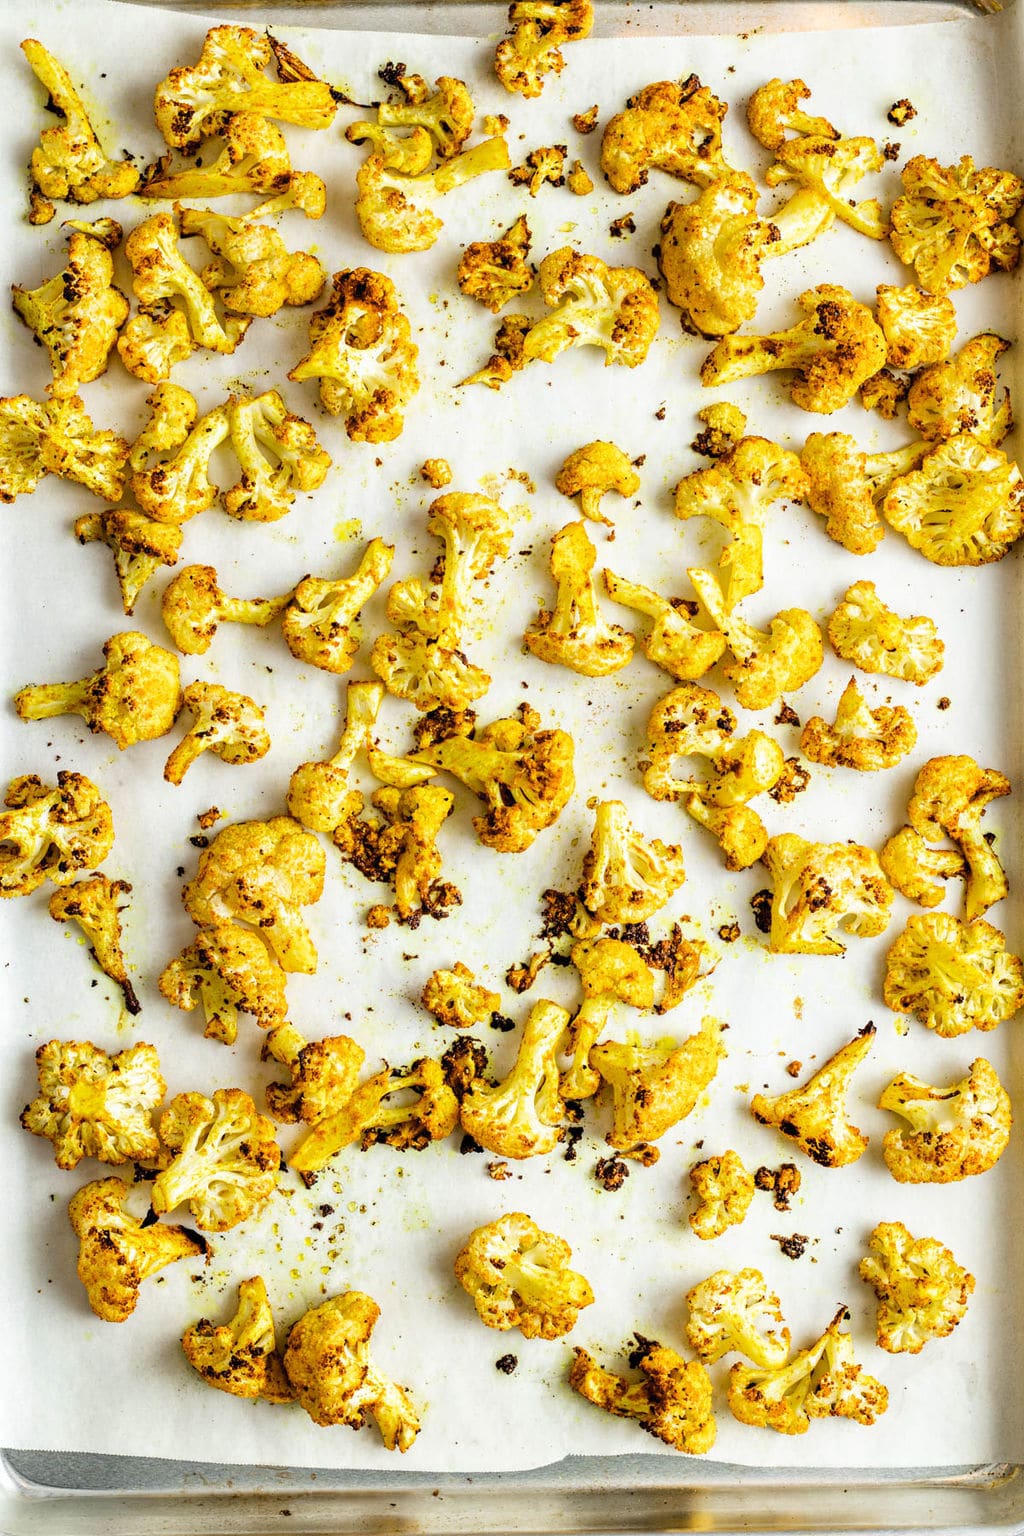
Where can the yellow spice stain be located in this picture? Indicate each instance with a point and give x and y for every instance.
(349, 528)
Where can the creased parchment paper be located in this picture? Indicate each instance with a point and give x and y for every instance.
(388, 1223)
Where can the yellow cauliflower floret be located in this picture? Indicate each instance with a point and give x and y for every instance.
(92, 903)
(398, 846)
(672, 1401)
(823, 1381)
(949, 799)
(328, 1364)
(94, 1105)
(139, 545)
(736, 1311)
(875, 639)
(446, 114)
(962, 505)
(324, 1074)
(814, 1114)
(574, 634)
(672, 642)
(254, 272)
(919, 327)
(57, 438)
(76, 315)
(240, 1356)
(626, 879)
(163, 276)
(456, 998)
(828, 169)
(532, 48)
(723, 1189)
(670, 126)
(737, 493)
(845, 485)
(116, 1252)
(389, 217)
(224, 1162)
(962, 395)
(610, 971)
(177, 487)
(766, 665)
(953, 223)
(254, 159)
(428, 673)
(774, 110)
(724, 425)
(226, 969)
(134, 697)
(655, 1086)
(915, 870)
(68, 162)
(519, 1277)
(193, 607)
(494, 272)
(51, 833)
(522, 1115)
(922, 1291)
(822, 886)
(278, 453)
(321, 622)
(832, 352)
(545, 164)
(591, 472)
(228, 724)
(954, 976)
(954, 1133)
(862, 738)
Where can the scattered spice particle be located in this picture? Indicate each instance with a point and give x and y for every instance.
(506, 1365)
(659, 414)
(901, 112)
(586, 122)
(200, 841)
(572, 1138)
(794, 1068)
(761, 906)
(467, 1144)
(729, 932)
(500, 1022)
(611, 1173)
(793, 1246)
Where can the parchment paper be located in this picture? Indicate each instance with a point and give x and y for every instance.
(391, 1224)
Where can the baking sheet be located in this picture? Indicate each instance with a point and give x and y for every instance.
(397, 1221)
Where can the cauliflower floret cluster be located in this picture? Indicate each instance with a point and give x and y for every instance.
(240, 1356)
(670, 126)
(672, 642)
(949, 800)
(117, 1252)
(591, 472)
(193, 607)
(765, 665)
(655, 1086)
(860, 737)
(823, 1381)
(627, 878)
(814, 1114)
(253, 271)
(922, 1291)
(522, 1115)
(94, 1105)
(953, 224)
(954, 1133)
(610, 972)
(135, 696)
(321, 621)
(519, 1277)
(538, 29)
(228, 724)
(68, 164)
(919, 327)
(51, 834)
(225, 1158)
(57, 438)
(963, 504)
(954, 976)
(76, 315)
(671, 1401)
(328, 1364)
(818, 887)
(875, 639)
(93, 904)
(456, 998)
(494, 272)
(723, 1189)
(574, 634)
(398, 846)
(226, 969)
(846, 486)
(139, 544)
(737, 1312)
(962, 395)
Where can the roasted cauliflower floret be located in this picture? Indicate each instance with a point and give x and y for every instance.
(672, 1401)
(814, 1114)
(954, 976)
(57, 438)
(949, 800)
(875, 639)
(227, 969)
(253, 271)
(254, 159)
(533, 46)
(94, 1105)
(116, 1252)
(832, 352)
(953, 224)
(68, 163)
(723, 1190)
(92, 903)
(494, 272)
(954, 1132)
(134, 697)
(163, 276)
(862, 738)
(76, 315)
(846, 485)
(262, 873)
(821, 1382)
(919, 327)
(545, 164)
(774, 110)
(828, 169)
(327, 1363)
(737, 493)
(766, 665)
(922, 1291)
(240, 1356)
(363, 353)
(519, 1277)
(446, 114)
(456, 998)
(962, 505)
(671, 126)
(320, 623)
(610, 972)
(655, 1086)
(193, 607)
(522, 1116)
(476, 532)
(962, 395)
(139, 545)
(51, 833)
(736, 1311)
(324, 1075)
(574, 634)
(591, 472)
(224, 1162)
(388, 208)
(399, 846)
(279, 454)
(196, 101)
(822, 886)
(915, 870)
(230, 725)
(672, 642)
(177, 487)
(626, 879)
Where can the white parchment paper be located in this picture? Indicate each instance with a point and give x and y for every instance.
(391, 1224)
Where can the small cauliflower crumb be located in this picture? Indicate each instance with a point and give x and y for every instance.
(586, 122)
(437, 473)
(578, 181)
(901, 112)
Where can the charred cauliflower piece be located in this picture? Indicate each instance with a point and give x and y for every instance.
(68, 163)
(610, 972)
(949, 800)
(814, 1115)
(822, 886)
(321, 621)
(545, 165)
(591, 472)
(76, 315)
(116, 1252)
(253, 271)
(224, 1162)
(919, 327)
(832, 352)
(672, 642)
(456, 998)
(723, 1189)
(671, 126)
(522, 1116)
(863, 738)
(363, 353)
(278, 453)
(399, 846)
(389, 217)
(736, 1311)
(94, 1105)
(962, 505)
(139, 545)
(57, 438)
(230, 725)
(226, 969)
(533, 46)
(766, 665)
(193, 607)
(574, 634)
(953, 223)
(625, 878)
(446, 113)
(240, 1356)
(134, 697)
(846, 486)
(178, 486)
(324, 1074)
(962, 395)
(655, 1086)
(875, 639)
(93, 904)
(51, 833)
(954, 976)
(954, 1133)
(494, 272)
(519, 1277)
(163, 282)
(254, 159)
(823, 1381)
(672, 1401)
(196, 101)
(328, 1364)
(922, 1291)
